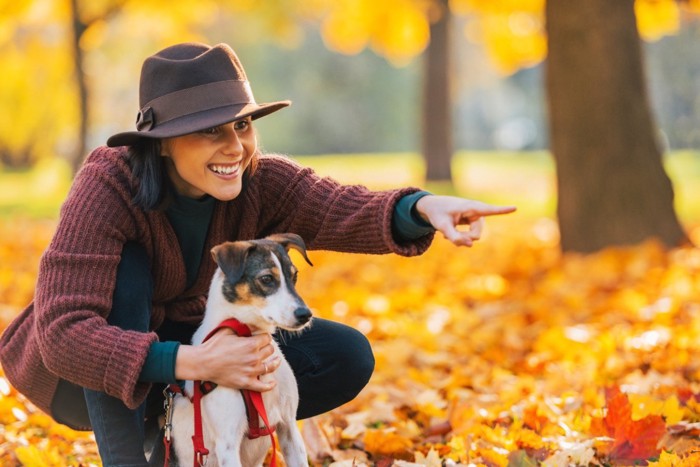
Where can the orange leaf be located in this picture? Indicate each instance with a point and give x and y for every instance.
(619, 410)
(533, 419)
(387, 443)
(634, 440)
(638, 439)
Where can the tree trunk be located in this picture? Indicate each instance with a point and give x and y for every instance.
(79, 28)
(437, 138)
(612, 187)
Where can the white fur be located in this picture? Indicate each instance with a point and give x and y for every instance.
(223, 410)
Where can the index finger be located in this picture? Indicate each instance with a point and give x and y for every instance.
(491, 210)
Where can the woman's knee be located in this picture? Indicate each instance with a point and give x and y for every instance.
(357, 361)
(329, 346)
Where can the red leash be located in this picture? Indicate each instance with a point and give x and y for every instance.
(253, 402)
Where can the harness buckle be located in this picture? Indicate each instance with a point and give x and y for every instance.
(201, 458)
(168, 406)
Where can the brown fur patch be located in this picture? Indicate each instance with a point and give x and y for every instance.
(246, 296)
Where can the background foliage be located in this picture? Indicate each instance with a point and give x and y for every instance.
(363, 102)
(512, 353)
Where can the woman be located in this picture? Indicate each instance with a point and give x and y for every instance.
(123, 284)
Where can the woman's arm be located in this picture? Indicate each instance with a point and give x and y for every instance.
(76, 282)
(327, 214)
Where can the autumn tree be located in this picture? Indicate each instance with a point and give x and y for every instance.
(436, 128)
(612, 187)
(81, 20)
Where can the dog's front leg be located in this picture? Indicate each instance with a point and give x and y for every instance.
(292, 444)
(225, 420)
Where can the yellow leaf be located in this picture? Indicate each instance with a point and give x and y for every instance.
(32, 456)
(657, 18)
(643, 405)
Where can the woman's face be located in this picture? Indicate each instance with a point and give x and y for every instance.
(212, 161)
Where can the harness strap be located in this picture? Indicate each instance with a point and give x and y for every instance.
(233, 324)
(253, 414)
(200, 451)
(255, 407)
(257, 401)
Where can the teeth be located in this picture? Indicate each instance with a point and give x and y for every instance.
(224, 169)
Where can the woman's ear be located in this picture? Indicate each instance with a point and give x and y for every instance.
(165, 147)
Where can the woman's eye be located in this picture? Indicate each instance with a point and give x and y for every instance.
(241, 124)
(210, 131)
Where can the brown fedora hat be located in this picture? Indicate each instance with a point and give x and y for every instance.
(190, 87)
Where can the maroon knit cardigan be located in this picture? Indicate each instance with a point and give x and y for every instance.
(64, 334)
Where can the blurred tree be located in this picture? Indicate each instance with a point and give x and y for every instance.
(400, 30)
(83, 16)
(437, 130)
(612, 187)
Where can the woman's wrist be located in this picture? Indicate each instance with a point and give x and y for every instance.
(406, 222)
(188, 363)
(418, 209)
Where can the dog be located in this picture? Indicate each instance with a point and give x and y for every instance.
(255, 284)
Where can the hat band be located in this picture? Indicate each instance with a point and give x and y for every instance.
(192, 100)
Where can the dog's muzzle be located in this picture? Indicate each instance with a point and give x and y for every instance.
(302, 315)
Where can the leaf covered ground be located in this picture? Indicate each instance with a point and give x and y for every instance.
(506, 354)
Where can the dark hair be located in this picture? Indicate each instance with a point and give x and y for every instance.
(149, 178)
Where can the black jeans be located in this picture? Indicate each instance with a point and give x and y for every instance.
(332, 363)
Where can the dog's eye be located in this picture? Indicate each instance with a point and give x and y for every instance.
(267, 279)
(295, 275)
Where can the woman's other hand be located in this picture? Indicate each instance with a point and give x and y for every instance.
(446, 213)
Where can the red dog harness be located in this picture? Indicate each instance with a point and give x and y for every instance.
(255, 408)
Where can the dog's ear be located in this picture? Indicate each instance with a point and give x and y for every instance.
(231, 258)
(290, 240)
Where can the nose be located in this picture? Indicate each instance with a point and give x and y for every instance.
(234, 147)
(302, 314)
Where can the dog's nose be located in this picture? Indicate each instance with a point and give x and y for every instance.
(302, 315)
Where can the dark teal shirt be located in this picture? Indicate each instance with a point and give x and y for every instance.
(190, 219)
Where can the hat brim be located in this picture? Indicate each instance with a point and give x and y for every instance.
(196, 122)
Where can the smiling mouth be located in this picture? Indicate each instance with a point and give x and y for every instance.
(228, 169)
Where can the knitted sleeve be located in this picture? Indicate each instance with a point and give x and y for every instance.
(328, 215)
(76, 283)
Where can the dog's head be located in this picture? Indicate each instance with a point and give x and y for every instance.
(256, 280)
